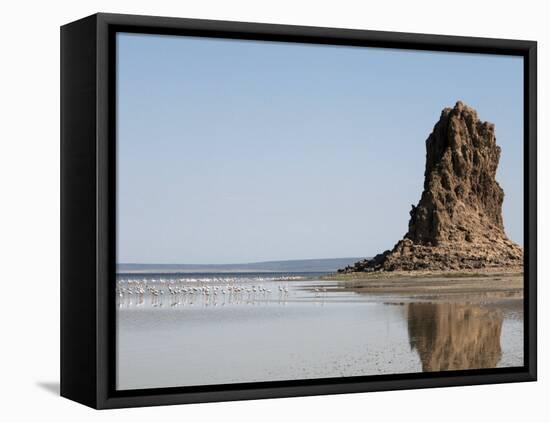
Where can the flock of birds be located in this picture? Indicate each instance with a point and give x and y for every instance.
(158, 292)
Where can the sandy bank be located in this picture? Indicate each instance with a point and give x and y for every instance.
(486, 283)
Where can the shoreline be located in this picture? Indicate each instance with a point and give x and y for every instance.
(475, 285)
(461, 273)
(481, 284)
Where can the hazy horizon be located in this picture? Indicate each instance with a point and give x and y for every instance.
(234, 151)
(236, 263)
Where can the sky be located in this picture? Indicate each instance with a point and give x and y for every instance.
(234, 151)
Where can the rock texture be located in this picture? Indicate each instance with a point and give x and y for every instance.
(457, 223)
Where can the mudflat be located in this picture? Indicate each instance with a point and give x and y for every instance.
(494, 283)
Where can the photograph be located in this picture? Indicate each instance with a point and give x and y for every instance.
(291, 211)
(275, 212)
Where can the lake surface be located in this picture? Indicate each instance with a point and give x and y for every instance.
(202, 329)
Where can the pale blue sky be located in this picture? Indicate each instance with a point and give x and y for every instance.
(239, 151)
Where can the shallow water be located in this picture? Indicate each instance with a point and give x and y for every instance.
(183, 330)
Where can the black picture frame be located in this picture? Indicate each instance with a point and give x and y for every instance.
(88, 154)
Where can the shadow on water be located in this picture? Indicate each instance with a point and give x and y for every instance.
(51, 387)
(455, 336)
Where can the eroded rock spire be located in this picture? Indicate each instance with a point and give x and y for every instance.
(457, 224)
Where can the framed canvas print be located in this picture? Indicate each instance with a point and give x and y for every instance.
(256, 211)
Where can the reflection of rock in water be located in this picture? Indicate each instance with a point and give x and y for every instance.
(455, 336)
